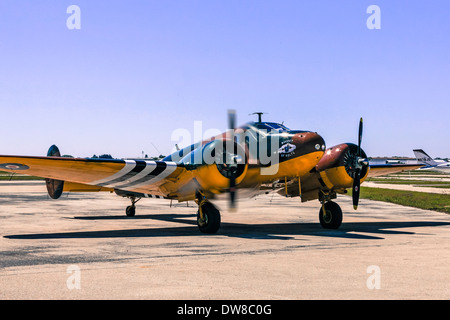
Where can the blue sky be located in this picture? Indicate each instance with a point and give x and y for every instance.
(136, 71)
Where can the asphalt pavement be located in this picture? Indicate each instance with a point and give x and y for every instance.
(82, 246)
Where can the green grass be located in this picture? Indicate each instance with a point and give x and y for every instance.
(423, 183)
(7, 176)
(419, 172)
(422, 200)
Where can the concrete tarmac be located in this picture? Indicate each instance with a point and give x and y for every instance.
(82, 246)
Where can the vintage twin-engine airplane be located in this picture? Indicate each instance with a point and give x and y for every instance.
(255, 157)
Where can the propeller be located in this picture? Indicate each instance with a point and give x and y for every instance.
(359, 162)
(231, 160)
(233, 164)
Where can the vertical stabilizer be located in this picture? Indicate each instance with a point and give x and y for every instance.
(423, 157)
(54, 187)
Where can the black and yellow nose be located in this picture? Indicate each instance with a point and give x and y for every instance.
(307, 142)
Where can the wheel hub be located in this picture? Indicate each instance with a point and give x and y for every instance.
(327, 217)
(204, 221)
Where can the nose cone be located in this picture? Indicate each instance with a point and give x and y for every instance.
(308, 142)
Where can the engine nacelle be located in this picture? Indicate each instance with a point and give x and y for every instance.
(337, 166)
(215, 163)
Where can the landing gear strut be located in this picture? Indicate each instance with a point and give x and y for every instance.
(208, 217)
(131, 210)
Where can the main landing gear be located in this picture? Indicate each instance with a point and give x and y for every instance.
(131, 210)
(208, 217)
(330, 215)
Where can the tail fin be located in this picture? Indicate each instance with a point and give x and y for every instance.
(54, 187)
(423, 157)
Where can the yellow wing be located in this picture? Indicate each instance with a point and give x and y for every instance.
(132, 175)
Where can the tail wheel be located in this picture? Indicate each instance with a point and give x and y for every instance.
(211, 218)
(330, 215)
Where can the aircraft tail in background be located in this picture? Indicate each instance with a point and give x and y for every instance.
(423, 157)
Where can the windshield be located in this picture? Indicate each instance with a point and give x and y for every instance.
(269, 126)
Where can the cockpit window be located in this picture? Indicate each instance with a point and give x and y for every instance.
(269, 126)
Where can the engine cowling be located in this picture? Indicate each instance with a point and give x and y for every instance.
(338, 164)
(216, 162)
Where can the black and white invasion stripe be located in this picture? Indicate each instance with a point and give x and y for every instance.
(138, 173)
(153, 196)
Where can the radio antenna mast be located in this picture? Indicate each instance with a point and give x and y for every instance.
(259, 115)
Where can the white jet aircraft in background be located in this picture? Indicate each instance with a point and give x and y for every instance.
(439, 165)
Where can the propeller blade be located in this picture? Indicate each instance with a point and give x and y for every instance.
(233, 191)
(233, 164)
(231, 119)
(360, 136)
(356, 187)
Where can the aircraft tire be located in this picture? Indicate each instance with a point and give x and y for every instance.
(130, 211)
(212, 219)
(333, 218)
